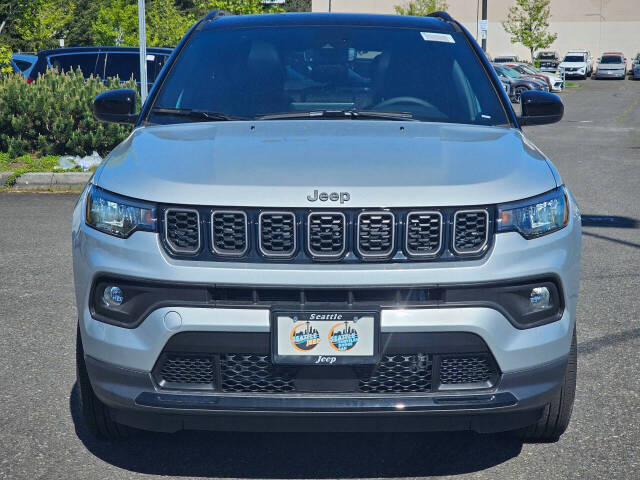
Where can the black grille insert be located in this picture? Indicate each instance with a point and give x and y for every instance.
(471, 231)
(229, 231)
(424, 233)
(251, 373)
(188, 370)
(277, 234)
(326, 234)
(466, 370)
(182, 230)
(410, 373)
(376, 234)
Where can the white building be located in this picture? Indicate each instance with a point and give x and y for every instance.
(597, 25)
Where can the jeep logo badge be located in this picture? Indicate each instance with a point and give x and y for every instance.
(333, 196)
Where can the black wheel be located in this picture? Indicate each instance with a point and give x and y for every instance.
(95, 414)
(557, 414)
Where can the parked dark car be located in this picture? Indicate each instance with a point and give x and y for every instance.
(548, 61)
(635, 67)
(103, 62)
(519, 83)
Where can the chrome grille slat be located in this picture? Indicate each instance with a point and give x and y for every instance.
(375, 236)
(182, 230)
(229, 232)
(326, 236)
(423, 233)
(470, 231)
(277, 234)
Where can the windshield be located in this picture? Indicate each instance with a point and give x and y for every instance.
(547, 56)
(574, 58)
(509, 72)
(611, 59)
(252, 72)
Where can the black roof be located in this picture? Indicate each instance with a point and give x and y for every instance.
(432, 24)
(103, 49)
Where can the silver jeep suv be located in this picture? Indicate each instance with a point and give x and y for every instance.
(327, 222)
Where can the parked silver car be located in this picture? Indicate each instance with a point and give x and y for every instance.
(612, 65)
(327, 222)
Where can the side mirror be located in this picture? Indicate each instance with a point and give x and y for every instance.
(539, 108)
(116, 106)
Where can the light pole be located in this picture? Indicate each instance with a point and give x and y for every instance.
(484, 17)
(142, 40)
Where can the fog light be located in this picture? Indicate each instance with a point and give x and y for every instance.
(540, 298)
(113, 296)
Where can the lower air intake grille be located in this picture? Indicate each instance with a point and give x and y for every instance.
(376, 234)
(229, 232)
(277, 234)
(326, 234)
(188, 370)
(254, 374)
(471, 230)
(465, 370)
(424, 233)
(182, 229)
(400, 373)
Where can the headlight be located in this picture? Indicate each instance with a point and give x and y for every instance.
(535, 216)
(116, 215)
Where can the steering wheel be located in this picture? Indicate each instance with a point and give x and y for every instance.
(400, 100)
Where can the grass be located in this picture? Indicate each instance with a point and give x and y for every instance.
(28, 163)
(573, 85)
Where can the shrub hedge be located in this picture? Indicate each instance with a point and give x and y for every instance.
(53, 115)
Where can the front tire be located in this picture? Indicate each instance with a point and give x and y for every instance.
(95, 414)
(556, 416)
(518, 93)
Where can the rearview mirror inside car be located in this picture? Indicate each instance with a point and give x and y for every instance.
(539, 108)
(116, 106)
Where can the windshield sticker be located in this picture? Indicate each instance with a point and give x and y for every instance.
(437, 37)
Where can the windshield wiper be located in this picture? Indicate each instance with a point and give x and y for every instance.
(340, 114)
(203, 115)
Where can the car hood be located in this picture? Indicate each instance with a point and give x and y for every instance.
(573, 64)
(281, 162)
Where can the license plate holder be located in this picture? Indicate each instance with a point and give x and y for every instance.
(325, 337)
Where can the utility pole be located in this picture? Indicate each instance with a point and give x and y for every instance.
(329, 5)
(484, 17)
(142, 40)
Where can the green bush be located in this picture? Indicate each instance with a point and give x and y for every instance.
(53, 115)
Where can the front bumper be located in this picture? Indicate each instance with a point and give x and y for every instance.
(516, 401)
(610, 74)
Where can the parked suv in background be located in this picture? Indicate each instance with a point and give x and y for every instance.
(24, 63)
(548, 61)
(612, 65)
(576, 63)
(327, 222)
(103, 62)
(635, 67)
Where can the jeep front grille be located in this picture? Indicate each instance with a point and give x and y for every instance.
(376, 234)
(471, 231)
(229, 231)
(182, 230)
(326, 234)
(298, 235)
(277, 234)
(424, 233)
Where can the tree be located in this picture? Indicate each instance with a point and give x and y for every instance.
(40, 22)
(528, 22)
(238, 7)
(420, 8)
(5, 57)
(117, 23)
(166, 24)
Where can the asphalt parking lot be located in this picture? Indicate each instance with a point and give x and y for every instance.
(597, 150)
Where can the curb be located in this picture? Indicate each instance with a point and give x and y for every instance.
(46, 180)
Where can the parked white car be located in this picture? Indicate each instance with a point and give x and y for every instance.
(576, 63)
